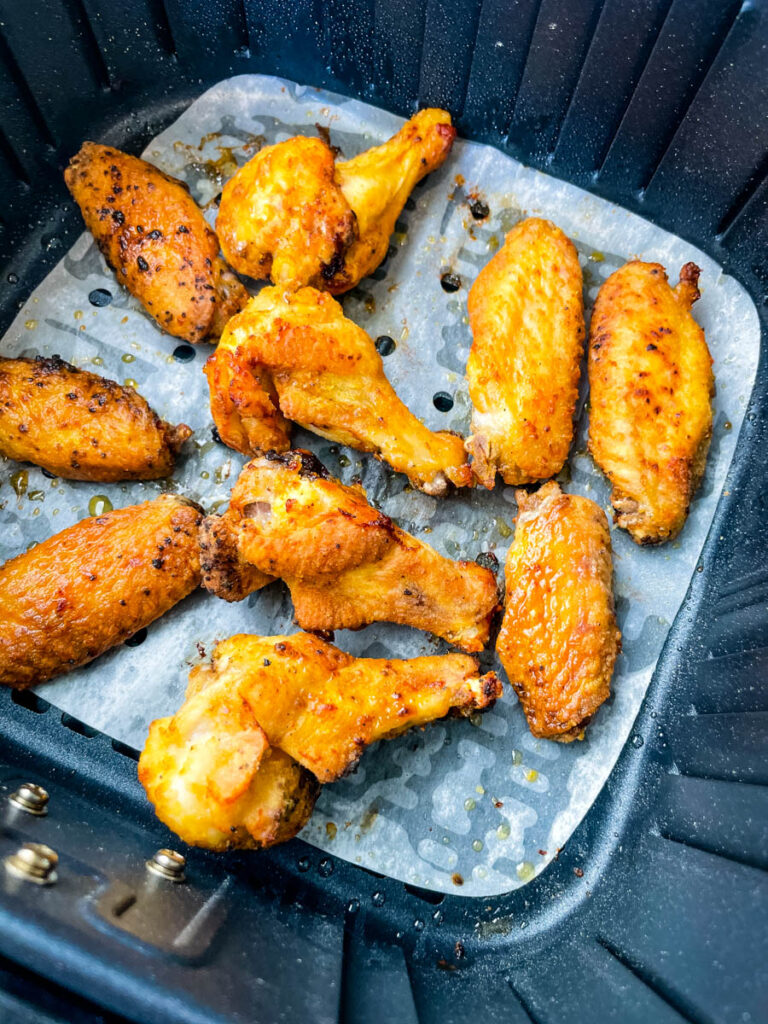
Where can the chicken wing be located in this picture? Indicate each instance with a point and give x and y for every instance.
(526, 314)
(346, 563)
(92, 586)
(297, 356)
(291, 215)
(81, 426)
(155, 238)
(559, 639)
(651, 385)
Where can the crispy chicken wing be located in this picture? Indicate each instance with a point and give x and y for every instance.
(346, 563)
(297, 356)
(527, 319)
(157, 241)
(559, 639)
(651, 385)
(291, 215)
(88, 588)
(81, 426)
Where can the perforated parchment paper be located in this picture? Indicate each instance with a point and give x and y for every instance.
(471, 807)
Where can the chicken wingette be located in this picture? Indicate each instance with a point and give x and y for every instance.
(232, 767)
(72, 597)
(81, 426)
(651, 387)
(295, 356)
(156, 239)
(345, 563)
(526, 314)
(559, 639)
(295, 216)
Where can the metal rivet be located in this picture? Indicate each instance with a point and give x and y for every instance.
(168, 864)
(34, 862)
(31, 798)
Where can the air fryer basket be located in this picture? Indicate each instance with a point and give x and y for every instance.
(656, 908)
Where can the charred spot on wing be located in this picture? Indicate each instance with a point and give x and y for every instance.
(54, 364)
(305, 463)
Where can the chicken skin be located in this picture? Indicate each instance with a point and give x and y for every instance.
(526, 314)
(651, 388)
(232, 767)
(297, 357)
(93, 585)
(345, 563)
(155, 238)
(80, 426)
(559, 639)
(295, 216)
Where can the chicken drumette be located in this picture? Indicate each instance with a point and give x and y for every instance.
(157, 241)
(295, 356)
(651, 387)
(527, 320)
(81, 426)
(232, 767)
(294, 215)
(346, 563)
(559, 639)
(90, 587)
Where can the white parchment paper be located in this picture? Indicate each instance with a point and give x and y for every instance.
(470, 807)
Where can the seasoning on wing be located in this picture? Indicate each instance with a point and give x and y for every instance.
(651, 386)
(346, 563)
(295, 216)
(232, 767)
(157, 241)
(559, 640)
(527, 319)
(93, 585)
(295, 356)
(80, 426)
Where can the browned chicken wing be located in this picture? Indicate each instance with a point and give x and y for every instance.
(527, 319)
(292, 215)
(651, 386)
(346, 563)
(297, 357)
(157, 241)
(90, 587)
(81, 426)
(232, 767)
(559, 639)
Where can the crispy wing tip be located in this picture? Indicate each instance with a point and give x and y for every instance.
(687, 289)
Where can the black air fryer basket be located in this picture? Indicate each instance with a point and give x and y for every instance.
(656, 909)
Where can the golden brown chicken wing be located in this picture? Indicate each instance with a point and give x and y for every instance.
(216, 782)
(651, 385)
(559, 639)
(527, 319)
(297, 356)
(290, 215)
(346, 563)
(157, 241)
(81, 426)
(88, 588)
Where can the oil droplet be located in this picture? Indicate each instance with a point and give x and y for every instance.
(457, 879)
(727, 425)
(330, 830)
(504, 830)
(19, 482)
(353, 906)
(480, 790)
(532, 775)
(517, 757)
(325, 867)
(205, 474)
(469, 804)
(129, 382)
(36, 495)
(36, 512)
(343, 461)
(378, 899)
(30, 324)
(637, 742)
(78, 314)
(221, 473)
(475, 719)
(97, 361)
(303, 864)
(128, 358)
(504, 529)
(596, 257)
(99, 504)
(418, 925)
(525, 870)
(437, 917)
(13, 278)
(477, 845)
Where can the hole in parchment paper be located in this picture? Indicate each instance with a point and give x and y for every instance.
(183, 353)
(100, 297)
(442, 401)
(449, 281)
(385, 345)
(138, 638)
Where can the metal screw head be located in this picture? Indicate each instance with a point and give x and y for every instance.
(168, 864)
(33, 862)
(31, 798)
